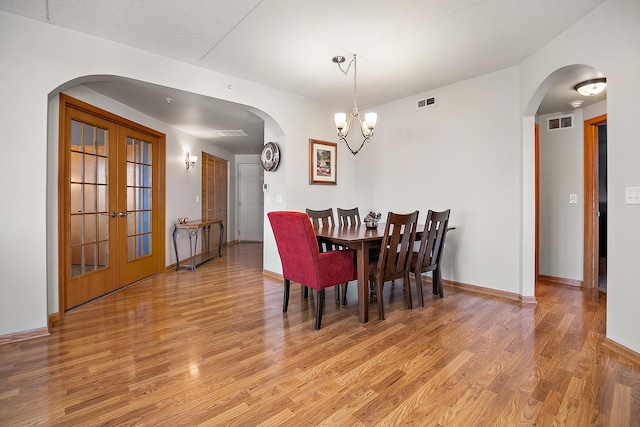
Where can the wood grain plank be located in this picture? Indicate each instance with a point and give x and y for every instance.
(212, 347)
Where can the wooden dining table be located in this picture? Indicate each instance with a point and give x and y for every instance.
(361, 239)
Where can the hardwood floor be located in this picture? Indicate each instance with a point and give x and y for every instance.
(212, 347)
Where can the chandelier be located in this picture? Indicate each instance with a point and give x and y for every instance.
(342, 124)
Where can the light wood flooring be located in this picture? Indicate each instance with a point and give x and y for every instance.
(212, 347)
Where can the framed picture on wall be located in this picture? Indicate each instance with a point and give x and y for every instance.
(323, 162)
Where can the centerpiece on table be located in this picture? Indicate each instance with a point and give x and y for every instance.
(372, 219)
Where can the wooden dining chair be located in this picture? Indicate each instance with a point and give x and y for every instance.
(429, 253)
(302, 260)
(322, 218)
(394, 259)
(348, 216)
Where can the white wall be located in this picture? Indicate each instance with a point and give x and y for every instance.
(461, 154)
(606, 39)
(561, 165)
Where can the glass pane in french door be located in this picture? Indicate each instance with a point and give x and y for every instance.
(89, 193)
(139, 198)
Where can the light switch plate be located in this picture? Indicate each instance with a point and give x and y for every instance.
(632, 195)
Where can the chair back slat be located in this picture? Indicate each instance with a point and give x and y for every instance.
(348, 216)
(321, 218)
(399, 236)
(429, 255)
(433, 237)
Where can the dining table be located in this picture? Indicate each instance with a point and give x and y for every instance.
(361, 239)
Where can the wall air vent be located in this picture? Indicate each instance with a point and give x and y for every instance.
(559, 123)
(429, 102)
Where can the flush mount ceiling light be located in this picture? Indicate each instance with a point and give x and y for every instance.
(591, 87)
(576, 104)
(342, 125)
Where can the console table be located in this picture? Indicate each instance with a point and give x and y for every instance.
(193, 228)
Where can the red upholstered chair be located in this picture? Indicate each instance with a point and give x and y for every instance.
(302, 260)
(430, 252)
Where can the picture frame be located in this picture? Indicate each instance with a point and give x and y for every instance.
(323, 162)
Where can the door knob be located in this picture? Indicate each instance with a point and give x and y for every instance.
(598, 213)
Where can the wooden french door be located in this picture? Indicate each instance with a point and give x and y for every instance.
(111, 202)
(214, 193)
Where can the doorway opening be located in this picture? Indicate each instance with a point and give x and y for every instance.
(602, 195)
(250, 202)
(215, 190)
(110, 202)
(595, 203)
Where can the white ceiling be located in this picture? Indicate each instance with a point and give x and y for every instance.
(404, 47)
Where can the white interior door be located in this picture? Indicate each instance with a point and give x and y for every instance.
(251, 177)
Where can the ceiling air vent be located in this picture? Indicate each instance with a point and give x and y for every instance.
(429, 102)
(558, 123)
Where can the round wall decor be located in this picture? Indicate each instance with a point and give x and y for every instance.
(270, 156)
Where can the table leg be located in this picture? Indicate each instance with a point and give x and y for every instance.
(362, 255)
(206, 233)
(193, 248)
(220, 242)
(175, 246)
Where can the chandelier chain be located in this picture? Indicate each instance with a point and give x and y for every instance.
(353, 61)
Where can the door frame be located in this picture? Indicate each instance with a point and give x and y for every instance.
(68, 101)
(591, 202)
(536, 171)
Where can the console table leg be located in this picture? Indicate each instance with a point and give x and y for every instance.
(206, 234)
(175, 247)
(193, 248)
(220, 242)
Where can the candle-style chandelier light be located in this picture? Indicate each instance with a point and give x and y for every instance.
(343, 125)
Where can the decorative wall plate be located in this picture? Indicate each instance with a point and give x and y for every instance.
(270, 156)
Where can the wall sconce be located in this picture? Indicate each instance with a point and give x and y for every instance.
(591, 87)
(190, 160)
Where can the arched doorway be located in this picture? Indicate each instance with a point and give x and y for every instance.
(179, 203)
(555, 201)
